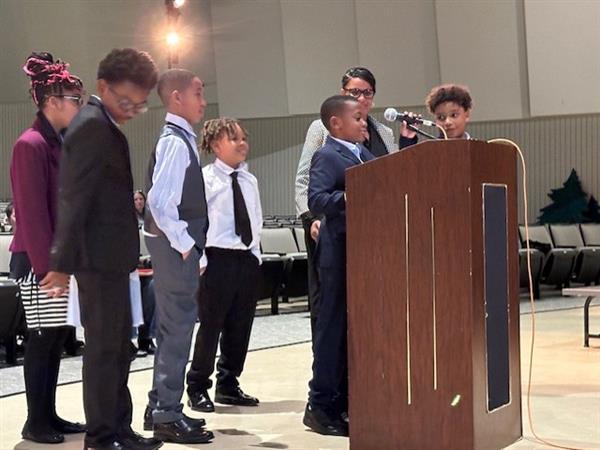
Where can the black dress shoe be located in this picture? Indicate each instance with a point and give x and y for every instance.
(235, 397)
(180, 432)
(147, 345)
(115, 445)
(65, 427)
(136, 441)
(200, 401)
(321, 422)
(148, 422)
(43, 436)
(74, 348)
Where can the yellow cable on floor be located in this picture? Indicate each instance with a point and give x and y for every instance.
(531, 298)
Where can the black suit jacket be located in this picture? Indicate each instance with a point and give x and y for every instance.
(97, 227)
(326, 188)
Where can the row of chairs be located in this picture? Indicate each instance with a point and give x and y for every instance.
(284, 265)
(281, 221)
(560, 255)
(284, 268)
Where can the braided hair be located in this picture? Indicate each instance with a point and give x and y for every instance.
(48, 77)
(214, 129)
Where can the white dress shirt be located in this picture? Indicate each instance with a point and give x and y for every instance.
(219, 200)
(172, 161)
(350, 146)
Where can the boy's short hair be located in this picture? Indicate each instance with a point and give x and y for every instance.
(214, 129)
(129, 64)
(333, 106)
(173, 80)
(449, 93)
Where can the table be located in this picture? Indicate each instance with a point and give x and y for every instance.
(591, 292)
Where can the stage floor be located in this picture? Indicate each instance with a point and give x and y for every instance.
(565, 401)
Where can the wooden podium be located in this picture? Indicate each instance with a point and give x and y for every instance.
(433, 312)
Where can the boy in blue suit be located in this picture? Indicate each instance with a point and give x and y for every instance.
(328, 395)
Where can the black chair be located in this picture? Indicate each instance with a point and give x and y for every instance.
(12, 317)
(271, 279)
(558, 262)
(537, 261)
(590, 232)
(586, 267)
(278, 244)
(5, 240)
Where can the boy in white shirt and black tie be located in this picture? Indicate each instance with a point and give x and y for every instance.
(228, 288)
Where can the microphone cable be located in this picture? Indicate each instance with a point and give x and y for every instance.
(537, 438)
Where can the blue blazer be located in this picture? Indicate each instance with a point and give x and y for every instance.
(326, 188)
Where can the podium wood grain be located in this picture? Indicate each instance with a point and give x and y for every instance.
(418, 379)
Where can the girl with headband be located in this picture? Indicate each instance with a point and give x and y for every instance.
(58, 96)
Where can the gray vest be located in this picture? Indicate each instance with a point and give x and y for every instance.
(192, 208)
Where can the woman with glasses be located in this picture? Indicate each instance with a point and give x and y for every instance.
(359, 83)
(34, 180)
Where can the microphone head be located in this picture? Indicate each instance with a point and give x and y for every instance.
(390, 114)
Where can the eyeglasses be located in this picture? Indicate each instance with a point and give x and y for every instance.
(77, 99)
(356, 93)
(127, 105)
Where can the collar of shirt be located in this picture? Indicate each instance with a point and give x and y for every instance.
(106, 111)
(181, 123)
(243, 167)
(355, 149)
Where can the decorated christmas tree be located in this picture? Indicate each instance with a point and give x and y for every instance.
(592, 213)
(568, 205)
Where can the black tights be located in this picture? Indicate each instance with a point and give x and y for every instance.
(40, 367)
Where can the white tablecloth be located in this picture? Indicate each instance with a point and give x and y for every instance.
(73, 315)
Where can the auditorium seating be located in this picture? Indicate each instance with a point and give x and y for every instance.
(5, 240)
(558, 262)
(281, 255)
(587, 259)
(537, 261)
(590, 232)
(299, 235)
(12, 317)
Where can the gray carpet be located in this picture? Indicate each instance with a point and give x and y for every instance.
(268, 331)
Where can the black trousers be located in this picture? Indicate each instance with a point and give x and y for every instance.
(40, 367)
(106, 317)
(146, 331)
(227, 303)
(313, 274)
(329, 384)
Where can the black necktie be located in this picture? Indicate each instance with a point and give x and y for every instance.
(242, 220)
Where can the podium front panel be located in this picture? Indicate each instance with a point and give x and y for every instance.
(416, 317)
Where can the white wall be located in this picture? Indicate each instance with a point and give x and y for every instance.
(563, 44)
(249, 58)
(397, 40)
(83, 32)
(320, 43)
(480, 45)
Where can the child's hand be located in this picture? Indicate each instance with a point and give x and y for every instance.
(55, 284)
(314, 230)
(404, 130)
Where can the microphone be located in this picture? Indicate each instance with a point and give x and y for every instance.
(391, 115)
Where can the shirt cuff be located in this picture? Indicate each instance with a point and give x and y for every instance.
(184, 244)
